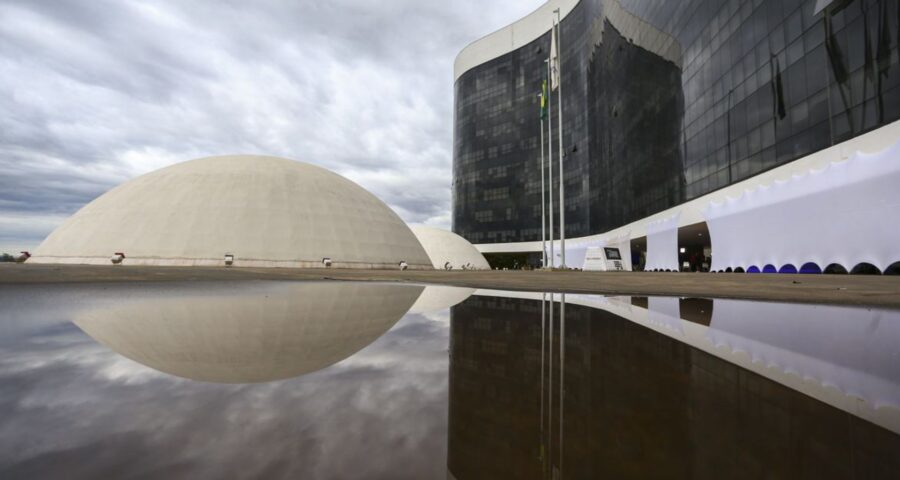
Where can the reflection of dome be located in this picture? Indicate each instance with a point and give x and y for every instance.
(447, 247)
(265, 211)
(291, 330)
(439, 297)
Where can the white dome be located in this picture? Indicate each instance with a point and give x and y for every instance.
(294, 329)
(446, 247)
(265, 211)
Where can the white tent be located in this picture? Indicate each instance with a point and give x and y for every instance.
(843, 214)
(662, 244)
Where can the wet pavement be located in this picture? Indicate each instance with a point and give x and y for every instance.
(868, 290)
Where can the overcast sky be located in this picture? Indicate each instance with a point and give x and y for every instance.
(93, 93)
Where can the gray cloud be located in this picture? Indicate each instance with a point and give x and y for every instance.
(94, 93)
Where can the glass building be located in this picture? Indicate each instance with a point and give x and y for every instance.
(663, 102)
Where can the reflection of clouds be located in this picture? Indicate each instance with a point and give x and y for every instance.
(70, 348)
(416, 339)
(67, 399)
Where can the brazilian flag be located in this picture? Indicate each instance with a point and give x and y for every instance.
(544, 97)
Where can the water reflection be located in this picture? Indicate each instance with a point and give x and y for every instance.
(582, 386)
(535, 386)
(436, 298)
(74, 409)
(289, 331)
(846, 356)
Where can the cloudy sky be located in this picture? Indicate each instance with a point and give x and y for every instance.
(97, 92)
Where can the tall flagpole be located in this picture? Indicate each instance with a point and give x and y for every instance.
(543, 200)
(562, 201)
(550, 160)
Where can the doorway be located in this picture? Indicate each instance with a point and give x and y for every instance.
(638, 254)
(694, 248)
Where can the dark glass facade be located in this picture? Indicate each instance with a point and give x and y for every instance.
(724, 90)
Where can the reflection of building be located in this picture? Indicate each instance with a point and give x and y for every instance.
(636, 404)
(667, 107)
(495, 365)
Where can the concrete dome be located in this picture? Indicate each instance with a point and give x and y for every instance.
(294, 329)
(445, 247)
(265, 211)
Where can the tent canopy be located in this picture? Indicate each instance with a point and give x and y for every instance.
(843, 214)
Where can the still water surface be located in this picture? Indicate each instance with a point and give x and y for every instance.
(356, 380)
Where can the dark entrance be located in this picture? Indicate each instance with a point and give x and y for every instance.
(694, 248)
(638, 254)
(513, 261)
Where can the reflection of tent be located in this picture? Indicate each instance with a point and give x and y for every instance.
(849, 353)
(438, 297)
(665, 313)
(851, 348)
(842, 214)
(289, 331)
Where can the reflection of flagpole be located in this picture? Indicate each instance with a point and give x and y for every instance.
(550, 159)
(562, 373)
(562, 201)
(543, 327)
(550, 390)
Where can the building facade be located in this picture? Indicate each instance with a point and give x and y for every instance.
(663, 103)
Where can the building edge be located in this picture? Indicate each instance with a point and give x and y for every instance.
(511, 37)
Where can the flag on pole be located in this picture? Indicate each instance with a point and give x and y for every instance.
(554, 59)
(544, 95)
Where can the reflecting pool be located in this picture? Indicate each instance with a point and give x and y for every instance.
(372, 380)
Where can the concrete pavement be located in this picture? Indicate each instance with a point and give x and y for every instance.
(883, 291)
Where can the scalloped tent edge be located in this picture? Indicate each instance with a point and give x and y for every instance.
(839, 214)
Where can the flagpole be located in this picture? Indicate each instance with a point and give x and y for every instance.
(562, 200)
(550, 159)
(543, 200)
